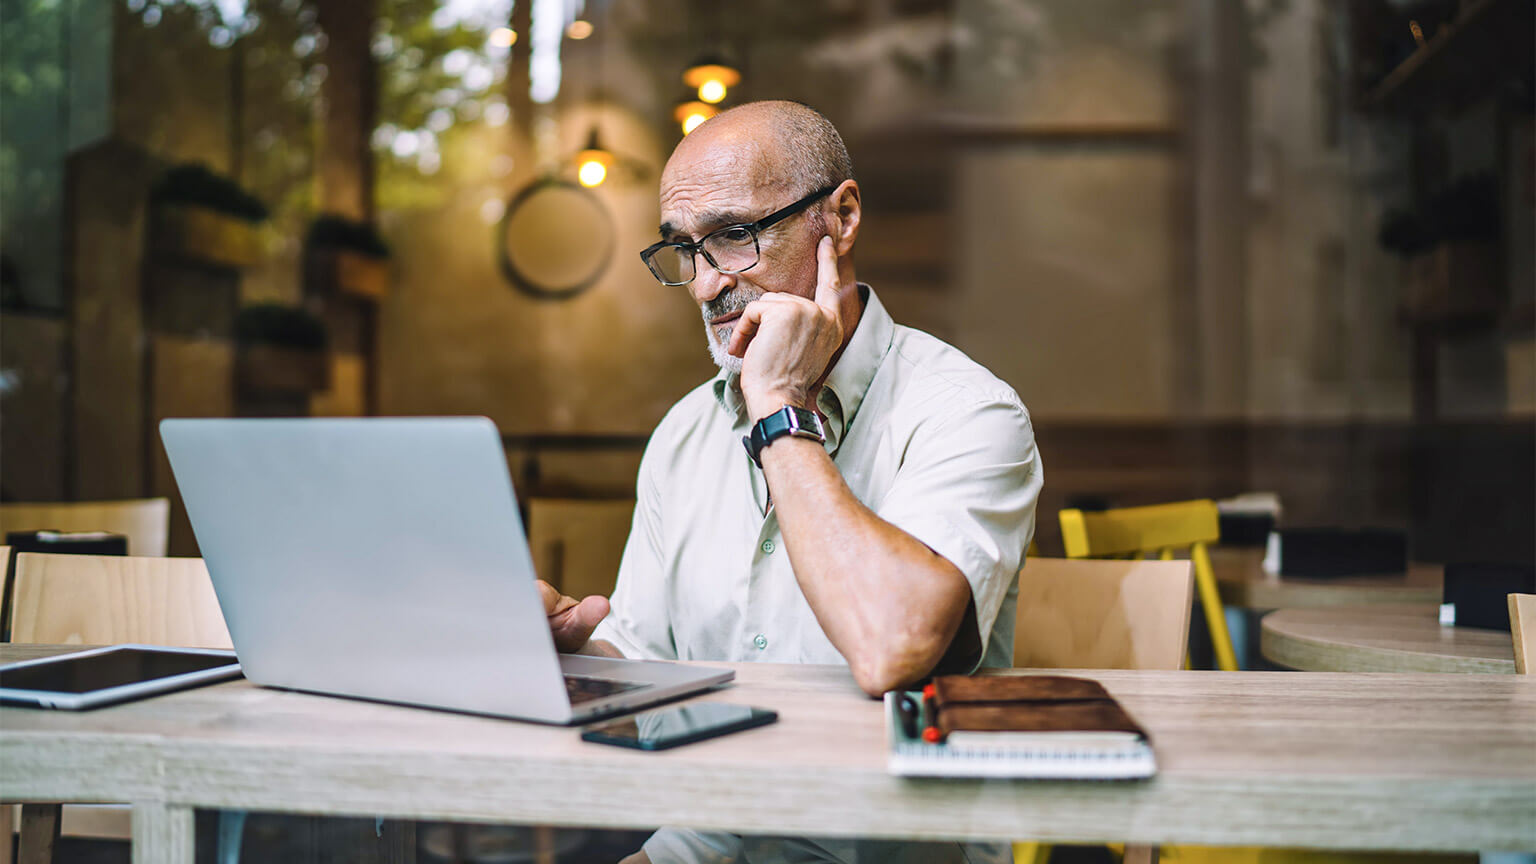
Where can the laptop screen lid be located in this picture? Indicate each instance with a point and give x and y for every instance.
(377, 558)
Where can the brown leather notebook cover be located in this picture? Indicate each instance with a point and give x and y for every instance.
(1032, 703)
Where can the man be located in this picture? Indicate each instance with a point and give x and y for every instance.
(893, 545)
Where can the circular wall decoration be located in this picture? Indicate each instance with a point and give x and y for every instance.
(555, 240)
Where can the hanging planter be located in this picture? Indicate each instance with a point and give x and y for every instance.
(204, 217)
(281, 351)
(345, 257)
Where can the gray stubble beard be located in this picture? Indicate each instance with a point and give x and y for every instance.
(725, 303)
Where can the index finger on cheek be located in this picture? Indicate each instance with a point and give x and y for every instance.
(827, 286)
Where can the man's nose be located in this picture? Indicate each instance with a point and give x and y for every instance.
(708, 282)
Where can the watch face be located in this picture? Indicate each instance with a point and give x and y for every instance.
(807, 423)
(788, 420)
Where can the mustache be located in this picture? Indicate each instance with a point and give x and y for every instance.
(727, 303)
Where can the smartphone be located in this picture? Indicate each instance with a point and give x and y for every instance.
(669, 727)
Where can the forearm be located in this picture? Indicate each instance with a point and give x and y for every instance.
(887, 602)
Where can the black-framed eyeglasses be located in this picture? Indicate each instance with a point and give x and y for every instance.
(732, 249)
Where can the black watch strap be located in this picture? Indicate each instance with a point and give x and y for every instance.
(788, 420)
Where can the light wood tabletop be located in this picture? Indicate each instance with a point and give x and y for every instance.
(1243, 584)
(1381, 639)
(1388, 762)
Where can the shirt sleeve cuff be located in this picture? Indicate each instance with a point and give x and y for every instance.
(975, 564)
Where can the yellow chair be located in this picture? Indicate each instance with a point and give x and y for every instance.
(1522, 632)
(1100, 615)
(1134, 532)
(103, 600)
(146, 522)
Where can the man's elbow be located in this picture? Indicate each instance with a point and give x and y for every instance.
(882, 669)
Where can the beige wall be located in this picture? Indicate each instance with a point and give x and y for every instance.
(457, 338)
(1327, 340)
(1065, 279)
(1067, 258)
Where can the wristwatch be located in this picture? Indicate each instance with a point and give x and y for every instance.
(788, 420)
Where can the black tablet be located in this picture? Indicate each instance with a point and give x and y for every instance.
(118, 673)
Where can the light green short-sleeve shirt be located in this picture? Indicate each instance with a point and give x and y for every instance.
(926, 438)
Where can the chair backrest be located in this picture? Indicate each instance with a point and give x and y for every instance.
(146, 522)
(1522, 631)
(1102, 614)
(1139, 530)
(103, 599)
(577, 544)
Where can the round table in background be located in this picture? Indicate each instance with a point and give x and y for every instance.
(1381, 638)
(1244, 585)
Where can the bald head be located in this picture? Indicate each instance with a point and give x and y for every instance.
(776, 144)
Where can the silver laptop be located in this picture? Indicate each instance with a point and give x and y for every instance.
(385, 559)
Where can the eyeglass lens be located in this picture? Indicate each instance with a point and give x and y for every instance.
(729, 251)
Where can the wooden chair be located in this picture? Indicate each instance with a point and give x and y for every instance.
(577, 544)
(1133, 532)
(1088, 614)
(145, 522)
(101, 600)
(1077, 614)
(1522, 631)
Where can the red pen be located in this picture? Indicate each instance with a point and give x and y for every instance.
(931, 734)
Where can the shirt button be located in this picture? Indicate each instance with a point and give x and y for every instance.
(768, 548)
(760, 641)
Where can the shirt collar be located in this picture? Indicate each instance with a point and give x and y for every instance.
(845, 388)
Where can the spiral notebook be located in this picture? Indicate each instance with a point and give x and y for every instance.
(1037, 727)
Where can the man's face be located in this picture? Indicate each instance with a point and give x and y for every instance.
(711, 185)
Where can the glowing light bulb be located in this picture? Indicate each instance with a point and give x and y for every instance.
(503, 37)
(711, 77)
(712, 91)
(579, 29)
(690, 113)
(592, 173)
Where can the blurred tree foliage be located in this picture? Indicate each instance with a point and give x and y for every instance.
(436, 73)
(438, 78)
(32, 81)
(238, 84)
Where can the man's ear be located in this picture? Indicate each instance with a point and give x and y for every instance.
(847, 210)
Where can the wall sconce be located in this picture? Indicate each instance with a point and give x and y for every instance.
(593, 162)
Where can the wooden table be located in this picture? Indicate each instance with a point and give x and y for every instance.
(1391, 762)
(1381, 639)
(1243, 584)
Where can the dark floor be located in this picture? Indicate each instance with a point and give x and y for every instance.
(280, 839)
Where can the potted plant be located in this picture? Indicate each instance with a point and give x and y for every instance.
(345, 256)
(1448, 246)
(281, 351)
(206, 217)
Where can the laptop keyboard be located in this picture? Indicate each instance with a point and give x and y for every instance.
(583, 688)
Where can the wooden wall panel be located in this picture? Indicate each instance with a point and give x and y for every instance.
(32, 407)
(107, 188)
(188, 378)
